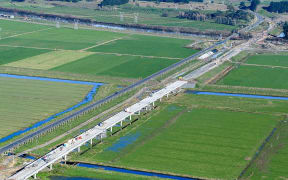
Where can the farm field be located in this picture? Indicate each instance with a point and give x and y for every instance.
(11, 28)
(275, 167)
(193, 136)
(25, 102)
(269, 60)
(148, 46)
(120, 66)
(11, 54)
(268, 72)
(97, 53)
(49, 60)
(272, 161)
(63, 38)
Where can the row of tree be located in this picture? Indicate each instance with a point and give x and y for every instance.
(279, 7)
(176, 1)
(112, 2)
(230, 17)
(253, 6)
(74, 1)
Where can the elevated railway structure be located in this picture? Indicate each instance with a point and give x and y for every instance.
(55, 124)
(97, 132)
(100, 130)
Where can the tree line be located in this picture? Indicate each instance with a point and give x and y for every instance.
(176, 1)
(279, 7)
(253, 6)
(74, 1)
(112, 2)
(230, 17)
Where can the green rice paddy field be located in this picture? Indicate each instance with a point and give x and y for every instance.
(25, 102)
(263, 71)
(92, 52)
(273, 160)
(120, 66)
(197, 136)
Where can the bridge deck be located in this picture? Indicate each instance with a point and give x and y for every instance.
(72, 144)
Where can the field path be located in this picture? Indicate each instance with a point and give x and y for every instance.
(106, 42)
(106, 53)
(5, 45)
(261, 65)
(16, 35)
(136, 55)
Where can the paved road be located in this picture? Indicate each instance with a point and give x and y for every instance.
(56, 123)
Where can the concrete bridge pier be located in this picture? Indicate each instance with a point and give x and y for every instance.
(50, 167)
(65, 159)
(35, 176)
(91, 142)
(111, 129)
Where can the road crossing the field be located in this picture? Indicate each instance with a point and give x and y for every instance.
(16, 35)
(103, 43)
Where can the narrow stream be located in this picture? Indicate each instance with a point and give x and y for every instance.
(130, 171)
(109, 168)
(236, 95)
(69, 178)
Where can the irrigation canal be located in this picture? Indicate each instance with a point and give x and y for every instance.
(88, 98)
(69, 178)
(236, 95)
(113, 169)
(135, 172)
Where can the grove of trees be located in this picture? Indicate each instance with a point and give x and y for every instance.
(176, 1)
(74, 1)
(112, 2)
(279, 7)
(230, 17)
(17, 0)
(254, 4)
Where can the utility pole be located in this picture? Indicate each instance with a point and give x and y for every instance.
(76, 24)
(136, 18)
(57, 23)
(121, 16)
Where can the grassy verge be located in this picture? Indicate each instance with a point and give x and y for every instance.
(212, 73)
(242, 56)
